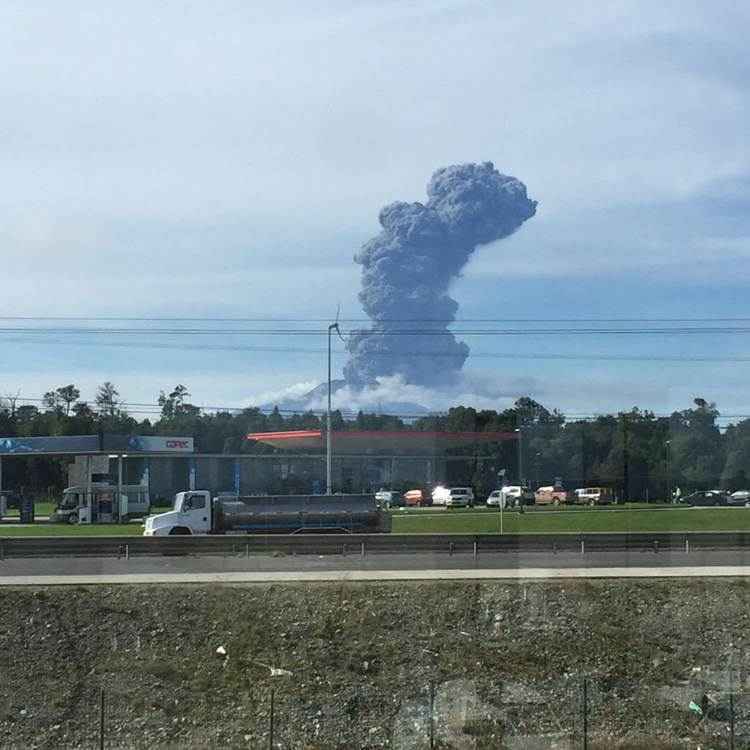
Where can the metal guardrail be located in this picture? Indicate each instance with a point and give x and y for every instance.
(364, 544)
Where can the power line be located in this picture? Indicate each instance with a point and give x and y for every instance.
(273, 319)
(375, 333)
(708, 359)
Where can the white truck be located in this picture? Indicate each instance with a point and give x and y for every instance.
(196, 512)
(453, 497)
(99, 503)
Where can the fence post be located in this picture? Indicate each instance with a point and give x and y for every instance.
(101, 719)
(585, 713)
(476, 547)
(687, 546)
(432, 715)
(583, 547)
(127, 552)
(731, 721)
(363, 551)
(270, 723)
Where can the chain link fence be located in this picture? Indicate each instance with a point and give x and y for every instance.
(572, 712)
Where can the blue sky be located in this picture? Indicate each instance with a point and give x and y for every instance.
(228, 159)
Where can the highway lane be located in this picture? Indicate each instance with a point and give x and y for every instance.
(509, 564)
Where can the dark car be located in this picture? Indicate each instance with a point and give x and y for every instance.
(706, 498)
(389, 498)
(12, 500)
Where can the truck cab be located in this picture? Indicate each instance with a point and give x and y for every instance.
(191, 514)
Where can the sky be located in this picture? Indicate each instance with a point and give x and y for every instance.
(226, 160)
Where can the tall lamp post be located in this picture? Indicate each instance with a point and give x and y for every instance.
(329, 459)
(667, 448)
(519, 430)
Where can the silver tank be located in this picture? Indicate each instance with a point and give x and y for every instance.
(288, 514)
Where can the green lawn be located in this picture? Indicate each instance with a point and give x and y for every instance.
(43, 528)
(48, 508)
(677, 519)
(535, 508)
(40, 509)
(484, 522)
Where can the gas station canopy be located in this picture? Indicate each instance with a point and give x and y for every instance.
(102, 443)
(415, 442)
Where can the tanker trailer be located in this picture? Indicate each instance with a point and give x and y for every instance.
(195, 512)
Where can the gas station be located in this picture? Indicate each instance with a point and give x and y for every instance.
(96, 493)
(114, 477)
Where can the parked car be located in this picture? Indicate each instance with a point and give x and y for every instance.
(497, 499)
(706, 498)
(416, 498)
(515, 494)
(453, 497)
(551, 496)
(389, 498)
(739, 498)
(594, 495)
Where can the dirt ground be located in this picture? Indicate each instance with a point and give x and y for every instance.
(445, 665)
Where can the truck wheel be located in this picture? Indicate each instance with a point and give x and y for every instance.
(72, 519)
(556, 501)
(592, 503)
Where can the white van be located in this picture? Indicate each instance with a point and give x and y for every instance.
(453, 497)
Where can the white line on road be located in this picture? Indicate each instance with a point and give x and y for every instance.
(712, 571)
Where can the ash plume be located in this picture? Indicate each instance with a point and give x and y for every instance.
(407, 270)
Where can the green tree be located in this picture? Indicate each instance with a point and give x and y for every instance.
(68, 395)
(52, 402)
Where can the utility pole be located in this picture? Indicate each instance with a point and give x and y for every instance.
(329, 457)
(584, 456)
(625, 459)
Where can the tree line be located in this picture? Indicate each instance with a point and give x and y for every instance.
(640, 454)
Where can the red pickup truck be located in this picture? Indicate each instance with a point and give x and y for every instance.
(551, 496)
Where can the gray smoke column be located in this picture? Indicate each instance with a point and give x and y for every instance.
(408, 268)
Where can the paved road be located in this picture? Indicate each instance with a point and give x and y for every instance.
(390, 566)
(310, 576)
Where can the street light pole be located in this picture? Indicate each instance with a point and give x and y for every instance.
(667, 446)
(519, 430)
(329, 459)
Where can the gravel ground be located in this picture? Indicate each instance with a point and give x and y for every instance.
(496, 665)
